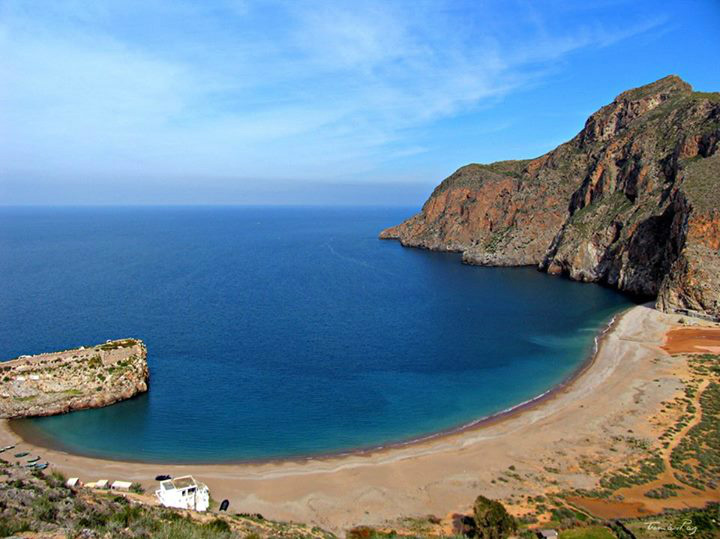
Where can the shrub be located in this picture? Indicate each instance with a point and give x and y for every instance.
(590, 532)
(10, 527)
(127, 515)
(218, 525)
(492, 519)
(44, 509)
(56, 479)
(94, 362)
(185, 529)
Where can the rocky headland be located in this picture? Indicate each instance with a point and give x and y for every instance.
(631, 201)
(86, 377)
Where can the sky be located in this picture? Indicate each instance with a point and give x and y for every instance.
(313, 102)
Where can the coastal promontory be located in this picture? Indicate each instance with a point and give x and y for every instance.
(85, 377)
(632, 201)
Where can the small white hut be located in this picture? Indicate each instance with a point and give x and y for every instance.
(184, 493)
(73, 482)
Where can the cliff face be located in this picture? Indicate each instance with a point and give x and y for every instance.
(60, 382)
(631, 201)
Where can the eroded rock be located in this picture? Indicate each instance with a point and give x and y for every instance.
(631, 201)
(60, 382)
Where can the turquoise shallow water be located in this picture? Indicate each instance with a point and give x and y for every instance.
(280, 332)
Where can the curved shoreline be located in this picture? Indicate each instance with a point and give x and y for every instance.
(49, 443)
(615, 393)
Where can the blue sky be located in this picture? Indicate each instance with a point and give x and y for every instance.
(264, 102)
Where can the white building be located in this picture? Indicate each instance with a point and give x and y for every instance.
(184, 493)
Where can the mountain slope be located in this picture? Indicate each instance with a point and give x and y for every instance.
(631, 201)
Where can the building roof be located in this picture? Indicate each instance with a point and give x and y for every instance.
(125, 485)
(548, 533)
(180, 483)
(72, 482)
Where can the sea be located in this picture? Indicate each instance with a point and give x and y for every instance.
(281, 332)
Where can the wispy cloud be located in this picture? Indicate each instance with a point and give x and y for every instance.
(257, 89)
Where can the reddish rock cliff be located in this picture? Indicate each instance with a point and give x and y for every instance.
(631, 201)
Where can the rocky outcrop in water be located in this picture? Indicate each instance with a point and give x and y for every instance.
(55, 383)
(630, 201)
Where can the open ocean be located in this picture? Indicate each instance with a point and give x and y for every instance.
(281, 332)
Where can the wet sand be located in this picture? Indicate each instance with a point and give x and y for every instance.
(551, 445)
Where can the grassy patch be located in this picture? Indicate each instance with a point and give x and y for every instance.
(590, 532)
(94, 362)
(696, 458)
(115, 345)
(666, 491)
(693, 523)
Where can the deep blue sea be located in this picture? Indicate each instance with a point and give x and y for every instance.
(280, 332)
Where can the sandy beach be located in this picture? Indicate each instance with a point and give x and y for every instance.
(550, 444)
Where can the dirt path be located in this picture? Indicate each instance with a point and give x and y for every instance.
(632, 501)
(687, 496)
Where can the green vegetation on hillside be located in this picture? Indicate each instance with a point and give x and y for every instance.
(702, 182)
(694, 523)
(697, 457)
(589, 532)
(492, 520)
(32, 501)
(115, 345)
